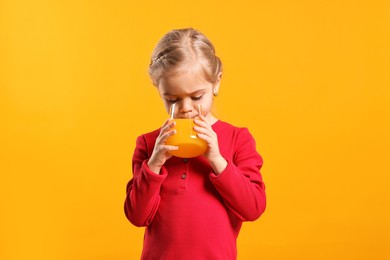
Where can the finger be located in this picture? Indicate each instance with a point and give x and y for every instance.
(167, 134)
(166, 122)
(170, 147)
(201, 129)
(167, 126)
(208, 139)
(204, 119)
(201, 122)
(204, 128)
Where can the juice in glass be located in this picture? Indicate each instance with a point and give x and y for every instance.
(190, 145)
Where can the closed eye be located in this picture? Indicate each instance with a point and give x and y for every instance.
(196, 98)
(172, 100)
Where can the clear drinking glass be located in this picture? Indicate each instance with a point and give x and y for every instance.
(190, 145)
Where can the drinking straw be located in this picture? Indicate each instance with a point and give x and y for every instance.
(173, 110)
(200, 109)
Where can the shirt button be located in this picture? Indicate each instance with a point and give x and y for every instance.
(185, 160)
(184, 176)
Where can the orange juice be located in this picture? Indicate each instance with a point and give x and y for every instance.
(190, 145)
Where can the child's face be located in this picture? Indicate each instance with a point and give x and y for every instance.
(187, 90)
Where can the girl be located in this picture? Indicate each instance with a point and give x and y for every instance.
(193, 208)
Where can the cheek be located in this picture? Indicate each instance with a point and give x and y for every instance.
(206, 106)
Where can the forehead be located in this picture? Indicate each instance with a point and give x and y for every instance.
(181, 83)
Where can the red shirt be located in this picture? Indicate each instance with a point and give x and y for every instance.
(188, 211)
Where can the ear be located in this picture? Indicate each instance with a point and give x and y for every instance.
(217, 83)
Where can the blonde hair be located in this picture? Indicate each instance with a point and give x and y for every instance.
(184, 48)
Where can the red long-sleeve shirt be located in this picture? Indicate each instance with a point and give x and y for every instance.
(189, 212)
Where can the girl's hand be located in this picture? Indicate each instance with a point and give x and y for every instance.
(160, 152)
(206, 132)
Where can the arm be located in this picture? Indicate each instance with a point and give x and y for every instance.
(240, 183)
(143, 190)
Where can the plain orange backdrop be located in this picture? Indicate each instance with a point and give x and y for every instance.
(310, 79)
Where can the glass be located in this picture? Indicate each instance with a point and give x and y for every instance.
(190, 145)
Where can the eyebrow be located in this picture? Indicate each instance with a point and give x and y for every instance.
(193, 93)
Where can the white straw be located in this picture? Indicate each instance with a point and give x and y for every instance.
(200, 109)
(173, 110)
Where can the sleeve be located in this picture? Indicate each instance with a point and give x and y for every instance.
(143, 190)
(240, 184)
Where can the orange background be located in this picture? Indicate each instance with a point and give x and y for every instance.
(310, 79)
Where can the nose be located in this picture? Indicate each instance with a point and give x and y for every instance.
(186, 108)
